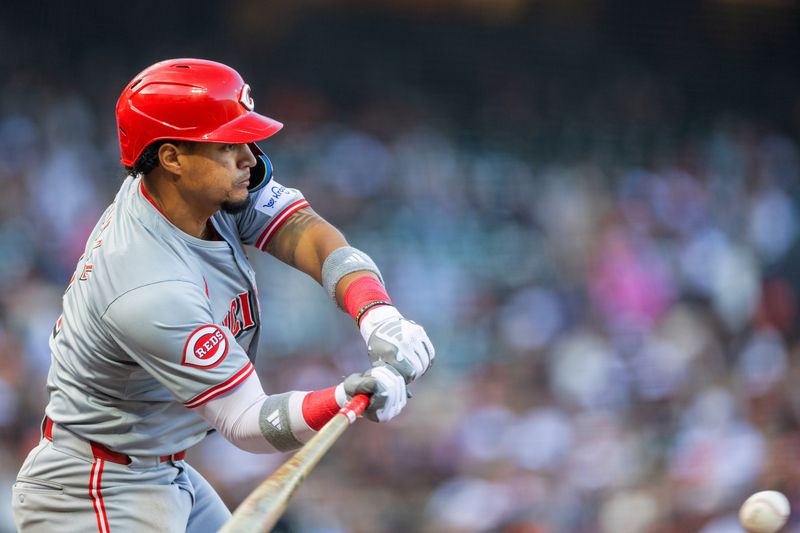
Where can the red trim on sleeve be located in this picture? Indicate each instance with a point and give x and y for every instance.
(277, 222)
(361, 292)
(319, 407)
(226, 386)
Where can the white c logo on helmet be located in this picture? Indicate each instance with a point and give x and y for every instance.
(205, 348)
(245, 99)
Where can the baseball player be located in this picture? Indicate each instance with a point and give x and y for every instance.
(161, 319)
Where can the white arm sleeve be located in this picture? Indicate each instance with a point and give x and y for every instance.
(237, 416)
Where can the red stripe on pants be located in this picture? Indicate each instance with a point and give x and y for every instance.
(95, 481)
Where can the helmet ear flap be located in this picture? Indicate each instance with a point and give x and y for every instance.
(261, 173)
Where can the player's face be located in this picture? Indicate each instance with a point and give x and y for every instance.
(218, 174)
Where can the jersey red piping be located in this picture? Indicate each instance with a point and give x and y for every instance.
(226, 386)
(149, 199)
(277, 222)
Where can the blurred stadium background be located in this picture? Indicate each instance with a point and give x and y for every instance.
(592, 206)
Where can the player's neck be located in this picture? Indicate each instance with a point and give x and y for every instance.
(167, 199)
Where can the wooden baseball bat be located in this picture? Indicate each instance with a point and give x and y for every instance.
(262, 509)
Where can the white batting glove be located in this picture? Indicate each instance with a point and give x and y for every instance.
(385, 387)
(397, 342)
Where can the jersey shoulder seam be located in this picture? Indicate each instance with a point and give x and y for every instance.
(116, 298)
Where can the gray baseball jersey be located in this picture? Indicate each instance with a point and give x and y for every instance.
(153, 315)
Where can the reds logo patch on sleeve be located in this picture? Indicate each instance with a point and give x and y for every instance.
(206, 347)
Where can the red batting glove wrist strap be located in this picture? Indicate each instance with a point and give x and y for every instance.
(363, 292)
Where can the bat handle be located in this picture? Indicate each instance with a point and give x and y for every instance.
(355, 407)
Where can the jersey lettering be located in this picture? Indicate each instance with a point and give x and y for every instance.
(248, 322)
(240, 315)
(57, 326)
(107, 221)
(205, 348)
(235, 324)
(87, 269)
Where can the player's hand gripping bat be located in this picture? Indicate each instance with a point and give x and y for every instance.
(262, 509)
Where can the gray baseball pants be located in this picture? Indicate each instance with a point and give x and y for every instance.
(68, 485)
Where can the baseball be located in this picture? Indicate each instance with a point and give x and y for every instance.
(764, 512)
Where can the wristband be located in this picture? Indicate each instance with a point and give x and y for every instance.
(367, 308)
(319, 407)
(362, 295)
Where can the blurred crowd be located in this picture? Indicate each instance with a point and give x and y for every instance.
(616, 325)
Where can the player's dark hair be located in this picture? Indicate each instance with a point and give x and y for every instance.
(148, 160)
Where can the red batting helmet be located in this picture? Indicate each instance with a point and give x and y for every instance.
(188, 100)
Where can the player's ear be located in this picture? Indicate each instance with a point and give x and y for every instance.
(168, 157)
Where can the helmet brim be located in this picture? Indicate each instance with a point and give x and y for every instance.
(245, 129)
